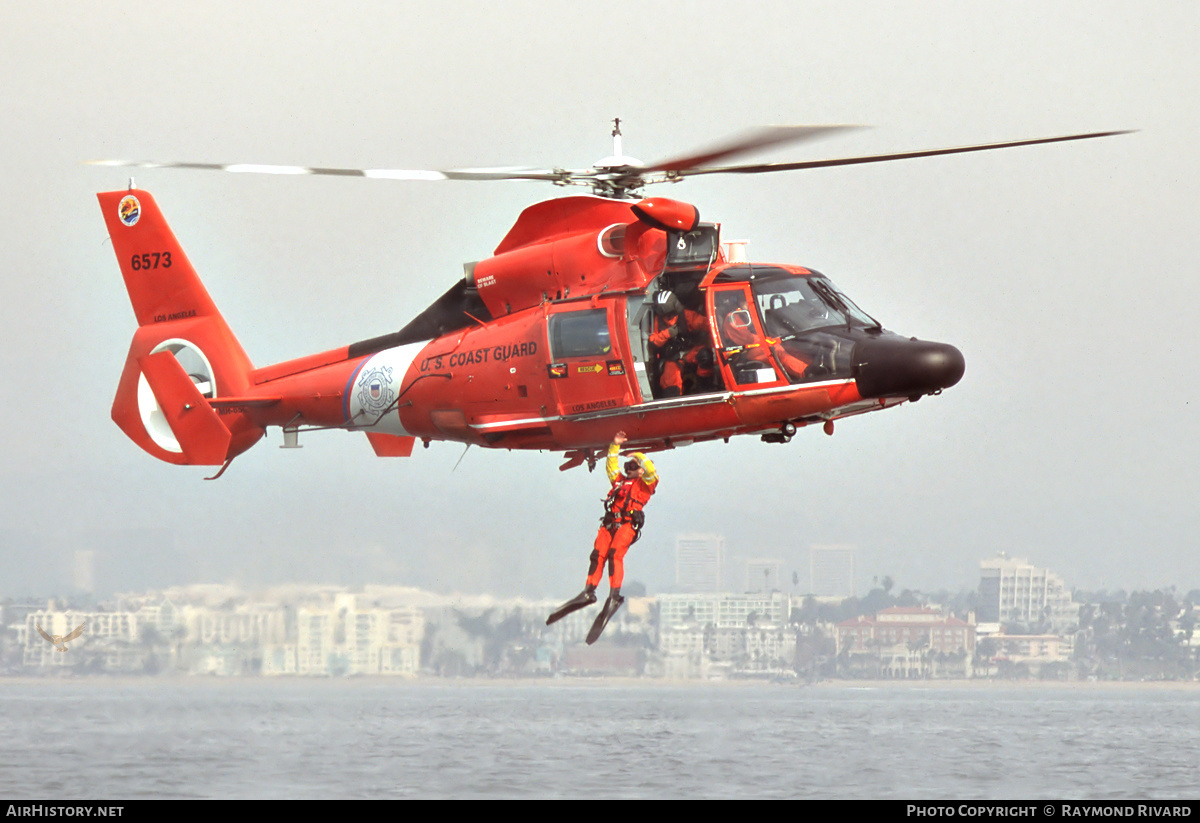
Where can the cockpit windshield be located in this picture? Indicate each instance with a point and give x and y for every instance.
(793, 304)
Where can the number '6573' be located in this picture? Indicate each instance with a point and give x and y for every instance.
(151, 260)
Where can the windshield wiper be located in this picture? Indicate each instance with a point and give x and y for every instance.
(831, 298)
(843, 304)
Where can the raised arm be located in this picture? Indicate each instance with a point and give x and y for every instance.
(611, 465)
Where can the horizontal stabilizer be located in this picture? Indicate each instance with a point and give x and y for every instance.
(391, 445)
(199, 430)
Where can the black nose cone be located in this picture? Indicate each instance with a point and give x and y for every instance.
(894, 366)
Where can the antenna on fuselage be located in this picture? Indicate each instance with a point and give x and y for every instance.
(460, 458)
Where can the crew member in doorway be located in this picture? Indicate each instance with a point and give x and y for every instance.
(682, 341)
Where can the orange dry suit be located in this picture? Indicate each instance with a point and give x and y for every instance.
(690, 325)
(623, 518)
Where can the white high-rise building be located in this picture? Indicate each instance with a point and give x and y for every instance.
(698, 562)
(1013, 591)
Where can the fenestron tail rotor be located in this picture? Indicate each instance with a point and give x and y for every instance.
(620, 176)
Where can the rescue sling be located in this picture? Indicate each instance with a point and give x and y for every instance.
(618, 510)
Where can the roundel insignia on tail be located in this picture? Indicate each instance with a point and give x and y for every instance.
(129, 210)
(375, 391)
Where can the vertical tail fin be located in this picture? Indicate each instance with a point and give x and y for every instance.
(154, 406)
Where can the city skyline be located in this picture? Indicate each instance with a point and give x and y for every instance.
(324, 631)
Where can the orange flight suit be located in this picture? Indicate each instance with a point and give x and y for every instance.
(756, 347)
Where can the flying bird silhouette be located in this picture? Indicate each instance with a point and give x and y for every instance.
(60, 642)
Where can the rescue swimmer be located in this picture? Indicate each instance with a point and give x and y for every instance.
(619, 529)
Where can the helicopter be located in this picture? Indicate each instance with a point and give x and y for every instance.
(596, 312)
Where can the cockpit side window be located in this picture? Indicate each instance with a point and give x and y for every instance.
(732, 313)
(742, 344)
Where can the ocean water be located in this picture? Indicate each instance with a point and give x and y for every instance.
(265, 738)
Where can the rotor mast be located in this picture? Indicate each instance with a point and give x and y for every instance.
(617, 177)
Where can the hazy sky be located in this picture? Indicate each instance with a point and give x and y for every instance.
(1066, 274)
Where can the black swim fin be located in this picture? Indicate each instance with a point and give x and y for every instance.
(585, 598)
(611, 605)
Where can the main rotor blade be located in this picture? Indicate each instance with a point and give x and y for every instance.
(763, 168)
(507, 173)
(752, 140)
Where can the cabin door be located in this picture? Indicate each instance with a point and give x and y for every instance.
(589, 366)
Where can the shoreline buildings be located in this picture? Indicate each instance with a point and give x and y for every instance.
(331, 631)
